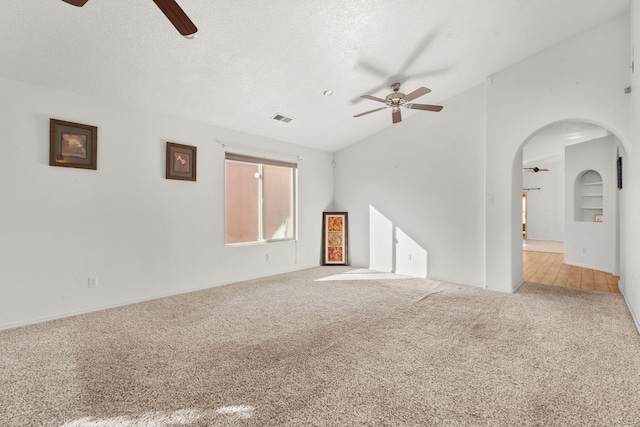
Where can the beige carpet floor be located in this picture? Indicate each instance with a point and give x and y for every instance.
(353, 349)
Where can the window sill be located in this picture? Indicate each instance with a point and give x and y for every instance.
(259, 243)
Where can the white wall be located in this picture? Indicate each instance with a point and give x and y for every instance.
(630, 194)
(451, 182)
(404, 172)
(143, 236)
(591, 244)
(545, 213)
(424, 177)
(582, 78)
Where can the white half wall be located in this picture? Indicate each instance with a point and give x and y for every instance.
(590, 244)
(143, 236)
(422, 178)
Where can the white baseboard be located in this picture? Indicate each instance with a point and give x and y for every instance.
(62, 315)
(590, 267)
(515, 288)
(635, 318)
(453, 282)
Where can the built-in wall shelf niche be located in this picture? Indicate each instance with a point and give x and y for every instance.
(588, 197)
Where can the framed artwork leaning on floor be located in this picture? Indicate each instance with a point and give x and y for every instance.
(334, 238)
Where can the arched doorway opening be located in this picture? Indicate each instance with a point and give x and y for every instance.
(571, 218)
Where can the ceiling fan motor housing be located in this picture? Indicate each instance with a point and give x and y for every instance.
(395, 97)
(398, 99)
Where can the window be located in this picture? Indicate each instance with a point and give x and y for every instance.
(259, 199)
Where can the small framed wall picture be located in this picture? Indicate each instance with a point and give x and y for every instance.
(73, 145)
(598, 218)
(334, 240)
(181, 161)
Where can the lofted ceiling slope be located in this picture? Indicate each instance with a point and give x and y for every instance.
(253, 59)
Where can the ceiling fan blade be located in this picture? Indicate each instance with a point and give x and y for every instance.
(176, 15)
(396, 116)
(416, 93)
(78, 3)
(375, 89)
(426, 107)
(373, 98)
(369, 112)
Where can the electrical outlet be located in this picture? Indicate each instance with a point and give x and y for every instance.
(267, 257)
(584, 251)
(409, 257)
(93, 282)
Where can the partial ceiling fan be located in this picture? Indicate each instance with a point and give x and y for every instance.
(397, 100)
(172, 11)
(534, 169)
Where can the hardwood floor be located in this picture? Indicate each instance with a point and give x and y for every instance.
(549, 269)
(543, 245)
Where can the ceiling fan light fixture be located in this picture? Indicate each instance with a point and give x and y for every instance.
(396, 100)
(395, 97)
(327, 92)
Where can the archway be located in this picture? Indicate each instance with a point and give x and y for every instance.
(572, 240)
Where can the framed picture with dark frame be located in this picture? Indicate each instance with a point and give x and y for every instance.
(181, 161)
(334, 238)
(73, 145)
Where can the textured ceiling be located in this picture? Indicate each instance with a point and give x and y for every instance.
(548, 144)
(255, 58)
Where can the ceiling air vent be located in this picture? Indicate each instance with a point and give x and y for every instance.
(282, 118)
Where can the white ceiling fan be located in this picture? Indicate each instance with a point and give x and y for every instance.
(397, 100)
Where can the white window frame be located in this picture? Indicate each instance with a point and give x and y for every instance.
(261, 161)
